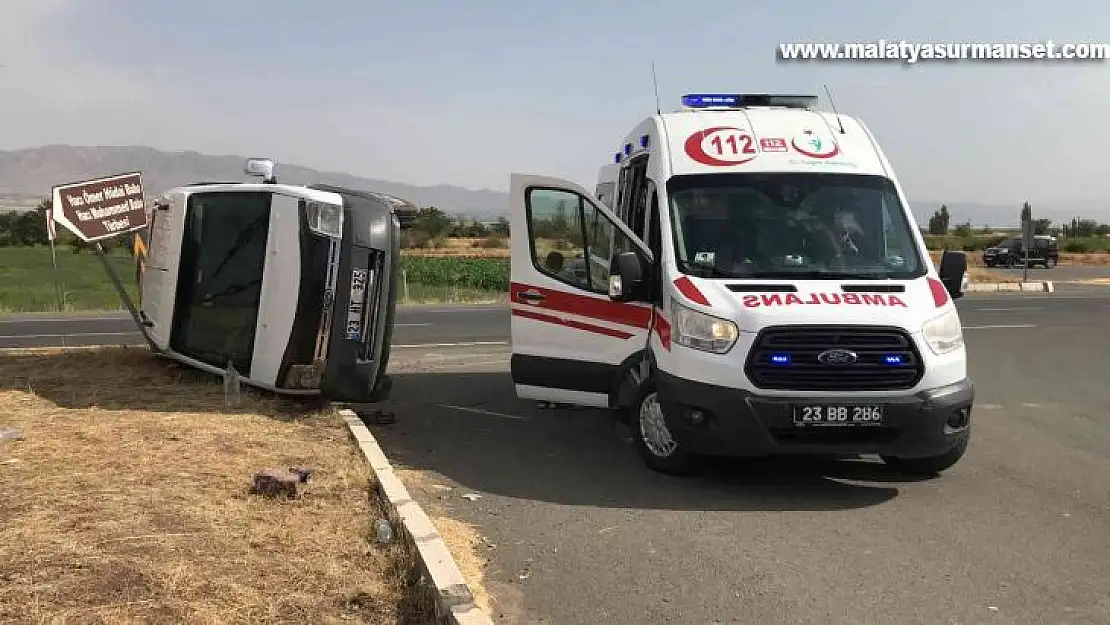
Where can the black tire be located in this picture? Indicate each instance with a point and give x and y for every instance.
(1049, 263)
(932, 465)
(679, 461)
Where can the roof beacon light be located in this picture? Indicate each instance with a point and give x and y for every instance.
(741, 100)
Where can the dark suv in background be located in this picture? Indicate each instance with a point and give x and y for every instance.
(1010, 253)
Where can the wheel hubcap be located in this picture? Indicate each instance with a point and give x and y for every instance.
(653, 428)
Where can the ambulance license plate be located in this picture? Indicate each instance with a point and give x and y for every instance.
(837, 415)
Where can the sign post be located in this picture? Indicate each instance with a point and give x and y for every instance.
(52, 234)
(1026, 237)
(100, 209)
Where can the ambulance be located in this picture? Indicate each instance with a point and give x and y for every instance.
(754, 285)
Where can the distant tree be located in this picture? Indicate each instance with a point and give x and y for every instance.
(1026, 212)
(963, 230)
(501, 227)
(1042, 226)
(938, 223)
(433, 222)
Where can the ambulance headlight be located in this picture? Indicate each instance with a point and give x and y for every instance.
(698, 330)
(325, 219)
(943, 334)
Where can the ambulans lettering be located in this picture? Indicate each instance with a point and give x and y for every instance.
(825, 299)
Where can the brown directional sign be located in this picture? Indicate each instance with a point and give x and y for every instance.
(102, 208)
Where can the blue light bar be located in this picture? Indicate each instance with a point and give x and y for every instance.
(644, 141)
(617, 157)
(627, 149)
(894, 359)
(780, 359)
(740, 100)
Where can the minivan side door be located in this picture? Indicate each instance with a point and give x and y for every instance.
(568, 338)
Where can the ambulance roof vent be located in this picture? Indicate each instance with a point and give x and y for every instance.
(744, 100)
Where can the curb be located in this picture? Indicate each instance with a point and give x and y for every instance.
(454, 601)
(1025, 287)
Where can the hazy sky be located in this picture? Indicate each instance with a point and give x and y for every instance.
(447, 91)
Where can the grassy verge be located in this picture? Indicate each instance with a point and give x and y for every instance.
(127, 502)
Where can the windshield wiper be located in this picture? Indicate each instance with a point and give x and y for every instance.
(817, 274)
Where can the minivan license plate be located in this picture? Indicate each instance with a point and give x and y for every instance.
(837, 415)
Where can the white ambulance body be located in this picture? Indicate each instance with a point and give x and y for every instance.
(767, 292)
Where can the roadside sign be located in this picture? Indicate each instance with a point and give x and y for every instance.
(100, 209)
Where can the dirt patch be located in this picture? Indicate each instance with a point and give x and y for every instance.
(979, 275)
(127, 501)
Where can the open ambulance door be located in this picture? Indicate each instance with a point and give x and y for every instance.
(569, 339)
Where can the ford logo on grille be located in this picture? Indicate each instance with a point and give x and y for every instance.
(837, 357)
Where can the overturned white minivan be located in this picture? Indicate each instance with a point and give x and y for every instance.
(294, 287)
(759, 287)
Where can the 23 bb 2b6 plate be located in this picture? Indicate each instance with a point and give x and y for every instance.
(838, 415)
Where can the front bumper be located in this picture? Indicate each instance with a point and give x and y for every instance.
(737, 422)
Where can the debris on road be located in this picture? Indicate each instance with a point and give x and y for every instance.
(10, 434)
(472, 496)
(279, 482)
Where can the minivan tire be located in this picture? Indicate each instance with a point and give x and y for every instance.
(1049, 263)
(931, 465)
(679, 461)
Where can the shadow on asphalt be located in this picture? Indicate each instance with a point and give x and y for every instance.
(584, 458)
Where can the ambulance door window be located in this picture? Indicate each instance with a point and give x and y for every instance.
(572, 241)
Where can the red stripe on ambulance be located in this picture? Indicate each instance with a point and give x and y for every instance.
(823, 299)
(633, 315)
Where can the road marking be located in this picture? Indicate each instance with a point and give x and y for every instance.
(63, 336)
(485, 412)
(467, 344)
(1001, 327)
(1005, 309)
(410, 325)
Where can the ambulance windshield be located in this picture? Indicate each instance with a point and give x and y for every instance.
(791, 225)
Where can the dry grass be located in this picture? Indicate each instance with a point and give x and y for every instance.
(127, 503)
(979, 274)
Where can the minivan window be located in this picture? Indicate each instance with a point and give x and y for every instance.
(791, 225)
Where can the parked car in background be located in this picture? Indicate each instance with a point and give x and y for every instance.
(1011, 253)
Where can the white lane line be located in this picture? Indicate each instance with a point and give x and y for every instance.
(467, 344)
(485, 412)
(64, 336)
(1001, 327)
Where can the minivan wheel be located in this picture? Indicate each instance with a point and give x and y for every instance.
(653, 440)
(930, 465)
(1049, 263)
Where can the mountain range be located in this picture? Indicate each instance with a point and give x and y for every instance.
(27, 175)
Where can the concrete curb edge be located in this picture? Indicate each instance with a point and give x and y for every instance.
(454, 599)
(1025, 287)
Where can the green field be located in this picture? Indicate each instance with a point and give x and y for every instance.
(27, 280)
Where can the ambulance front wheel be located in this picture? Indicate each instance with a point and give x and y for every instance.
(652, 438)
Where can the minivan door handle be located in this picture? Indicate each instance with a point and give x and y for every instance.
(530, 296)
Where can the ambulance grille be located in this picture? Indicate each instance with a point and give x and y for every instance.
(886, 359)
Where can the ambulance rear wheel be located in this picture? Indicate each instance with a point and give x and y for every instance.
(652, 438)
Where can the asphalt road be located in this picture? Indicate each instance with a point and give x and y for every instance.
(414, 326)
(579, 531)
(1059, 273)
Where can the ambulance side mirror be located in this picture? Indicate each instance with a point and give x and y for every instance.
(627, 275)
(953, 268)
